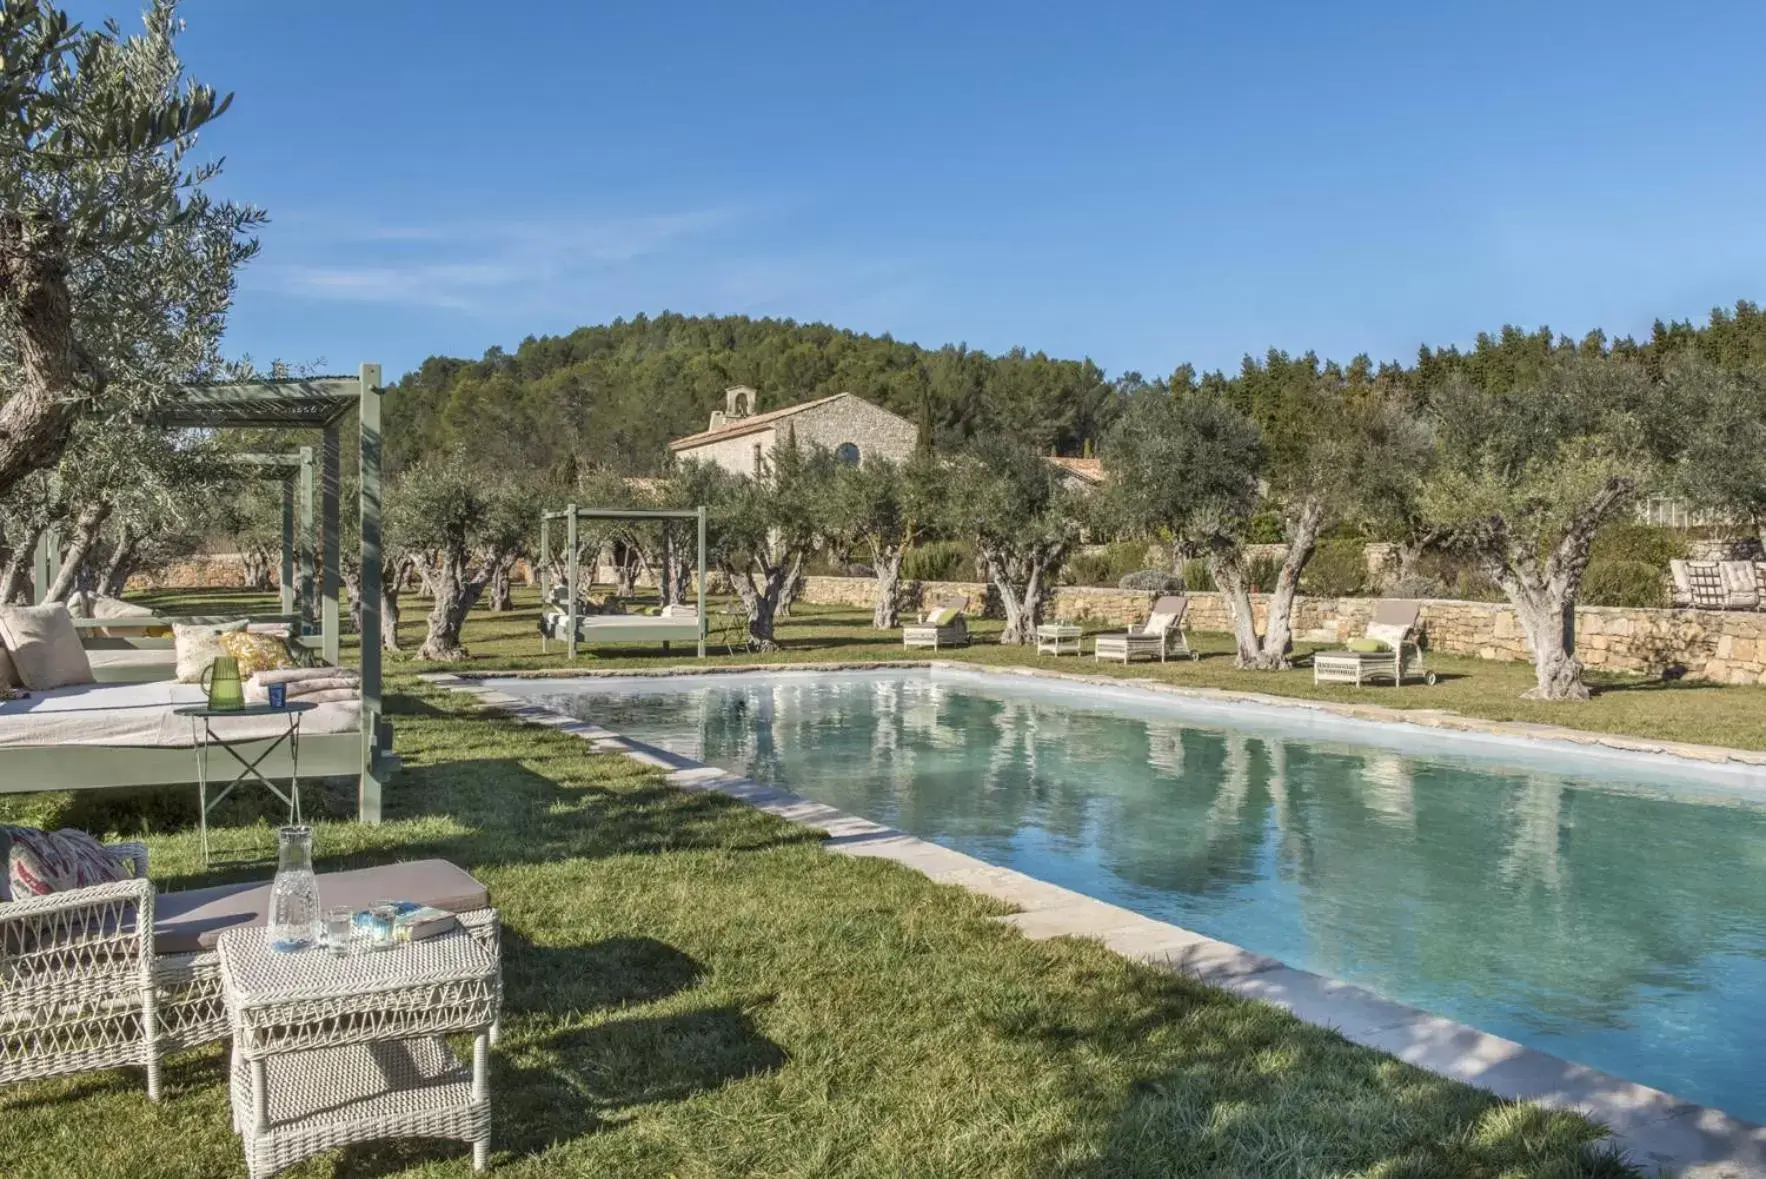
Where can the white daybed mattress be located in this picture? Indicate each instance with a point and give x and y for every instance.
(141, 715)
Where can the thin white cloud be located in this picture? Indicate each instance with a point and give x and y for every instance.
(464, 266)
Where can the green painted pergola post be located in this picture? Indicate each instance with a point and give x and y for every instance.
(285, 573)
(308, 549)
(332, 547)
(544, 559)
(368, 795)
(701, 581)
(570, 581)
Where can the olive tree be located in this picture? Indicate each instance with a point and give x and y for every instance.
(881, 506)
(116, 266)
(440, 509)
(1015, 507)
(1722, 467)
(762, 528)
(1191, 463)
(1529, 472)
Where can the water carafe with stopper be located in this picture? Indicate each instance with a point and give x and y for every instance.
(294, 897)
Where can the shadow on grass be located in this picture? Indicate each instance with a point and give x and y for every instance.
(1228, 1087)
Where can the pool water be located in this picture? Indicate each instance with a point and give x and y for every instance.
(1620, 924)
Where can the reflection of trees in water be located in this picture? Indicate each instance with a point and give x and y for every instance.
(1528, 892)
(1424, 878)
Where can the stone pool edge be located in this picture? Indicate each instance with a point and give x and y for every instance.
(1654, 1128)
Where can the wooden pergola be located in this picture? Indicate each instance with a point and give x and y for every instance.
(637, 629)
(321, 403)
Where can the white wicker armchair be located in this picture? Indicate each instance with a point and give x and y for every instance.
(77, 983)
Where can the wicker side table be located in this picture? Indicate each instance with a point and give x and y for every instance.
(1059, 638)
(332, 1051)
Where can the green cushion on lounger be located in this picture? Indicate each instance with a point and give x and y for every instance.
(1367, 646)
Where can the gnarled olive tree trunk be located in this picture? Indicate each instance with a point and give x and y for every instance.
(393, 572)
(1226, 561)
(121, 563)
(1023, 580)
(761, 586)
(886, 568)
(456, 587)
(85, 538)
(15, 575)
(1544, 593)
(39, 409)
(675, 570)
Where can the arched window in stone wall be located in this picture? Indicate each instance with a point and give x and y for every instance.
(847, 454)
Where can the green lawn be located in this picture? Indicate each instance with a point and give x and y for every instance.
(696, 989)
(1684, 710)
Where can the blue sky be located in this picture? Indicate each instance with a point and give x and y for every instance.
(1141, 183)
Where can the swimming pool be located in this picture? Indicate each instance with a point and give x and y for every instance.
(1601, 908)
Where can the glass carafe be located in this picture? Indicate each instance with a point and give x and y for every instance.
(294, 897)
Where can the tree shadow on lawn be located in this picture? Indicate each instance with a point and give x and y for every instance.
(551, 1084)
(1227, 1086)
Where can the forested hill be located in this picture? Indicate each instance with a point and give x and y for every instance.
(615, 394)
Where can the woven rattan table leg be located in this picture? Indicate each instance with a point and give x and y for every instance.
(481, 1091)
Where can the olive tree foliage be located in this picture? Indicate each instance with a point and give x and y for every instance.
(116, 266)
(1722, 467)
(1191, 464)
(880, 507)
(1529, 471)
(119, 479)
(1014, 506)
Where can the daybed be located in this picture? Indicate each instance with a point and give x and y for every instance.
(113, 975)
(325, 404)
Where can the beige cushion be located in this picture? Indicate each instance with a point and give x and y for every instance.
(199, 645)
(185, 922)
(106, 607)
(45, 648)
(1388, 634)
(8, 674)
(944, 616)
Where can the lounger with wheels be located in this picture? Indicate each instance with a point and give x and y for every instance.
(941, 626)
(1160, 637)
(1389, 650)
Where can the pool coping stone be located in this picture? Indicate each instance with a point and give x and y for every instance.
(1655, 1129)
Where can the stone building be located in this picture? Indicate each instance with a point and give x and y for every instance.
(739, 440)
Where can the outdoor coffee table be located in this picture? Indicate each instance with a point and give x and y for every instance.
(1059, 638)
(204, 737)
(332, 1051)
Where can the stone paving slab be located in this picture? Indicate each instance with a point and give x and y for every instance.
(1652, 1127)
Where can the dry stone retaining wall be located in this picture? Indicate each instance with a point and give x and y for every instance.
(1728, 646)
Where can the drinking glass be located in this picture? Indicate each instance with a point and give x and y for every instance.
(339, 924)
(384, 914)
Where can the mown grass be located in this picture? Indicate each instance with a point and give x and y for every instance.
(1681, 710)
(697, 989)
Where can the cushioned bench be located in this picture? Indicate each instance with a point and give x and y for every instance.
(191, 922)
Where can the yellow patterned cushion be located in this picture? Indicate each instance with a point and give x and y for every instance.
(256, 652)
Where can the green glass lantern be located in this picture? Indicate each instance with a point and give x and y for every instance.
(226, 691)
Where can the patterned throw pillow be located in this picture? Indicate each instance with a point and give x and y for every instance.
(199, 644)
(42, 862)
(256, 652)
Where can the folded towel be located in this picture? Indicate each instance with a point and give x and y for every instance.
(330, 696)
(307, 688)
(289, 675)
